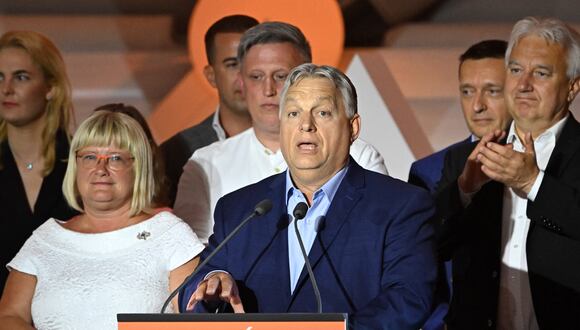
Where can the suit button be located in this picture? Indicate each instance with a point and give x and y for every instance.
(489, 323)
(494, 274)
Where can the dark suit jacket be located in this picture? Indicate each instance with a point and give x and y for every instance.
(426, 172)
(471, 237)
(17, 219)
(179, 148)
(373, 258)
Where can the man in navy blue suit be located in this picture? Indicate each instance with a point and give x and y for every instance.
(367, 235)
(481, 81)
(481, 84)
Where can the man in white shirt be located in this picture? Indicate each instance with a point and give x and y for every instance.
(267, 53)
(231, 116)
(511, 222)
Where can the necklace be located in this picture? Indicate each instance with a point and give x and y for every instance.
(29, 166)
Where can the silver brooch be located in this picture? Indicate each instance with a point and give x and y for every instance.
(143, 235)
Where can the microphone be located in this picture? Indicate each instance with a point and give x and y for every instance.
(261, 208)
(299, 214)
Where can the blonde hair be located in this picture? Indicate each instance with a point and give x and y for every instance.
(160, 198)
(59, 109)
(104, 129)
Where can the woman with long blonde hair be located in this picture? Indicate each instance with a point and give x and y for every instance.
(35, 114)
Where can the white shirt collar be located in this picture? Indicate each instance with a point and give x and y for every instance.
(553, 131)
(217, 126)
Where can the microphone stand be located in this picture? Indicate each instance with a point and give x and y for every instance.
(261, 208)
(299, 214)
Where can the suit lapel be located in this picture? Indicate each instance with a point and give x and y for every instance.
(344, 201)
(566, 147)
(272, 252)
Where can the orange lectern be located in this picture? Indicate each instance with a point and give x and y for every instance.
(258, 321)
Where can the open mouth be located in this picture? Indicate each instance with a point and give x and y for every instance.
(307, 146)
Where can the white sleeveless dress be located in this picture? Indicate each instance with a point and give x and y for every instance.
(84, 280)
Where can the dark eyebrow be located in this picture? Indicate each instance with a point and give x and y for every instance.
(228, 59)
(488, 85)
(20, 71)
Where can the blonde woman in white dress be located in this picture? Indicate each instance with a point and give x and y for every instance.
(117, 256)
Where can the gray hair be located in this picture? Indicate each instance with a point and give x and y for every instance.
(274, 32)
(339, 79)
(552, 30)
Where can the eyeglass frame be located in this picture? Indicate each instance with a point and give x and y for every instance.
(106, 158)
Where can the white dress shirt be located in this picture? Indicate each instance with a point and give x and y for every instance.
(236, 162)
(515, 308)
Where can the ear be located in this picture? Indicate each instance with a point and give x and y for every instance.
(354, 127)
(209, 74)
(49, 95)
(574, 89)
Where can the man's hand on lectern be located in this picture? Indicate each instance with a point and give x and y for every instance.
(218, 286)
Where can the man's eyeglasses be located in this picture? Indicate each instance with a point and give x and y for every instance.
(113, 162)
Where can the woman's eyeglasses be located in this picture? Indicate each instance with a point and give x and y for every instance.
(113, 162)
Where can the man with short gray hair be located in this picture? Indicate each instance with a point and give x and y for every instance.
(367, 235)
(267, 53)
(511, 221)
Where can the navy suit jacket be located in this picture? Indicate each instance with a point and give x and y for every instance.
(426, 172)
(373, 256)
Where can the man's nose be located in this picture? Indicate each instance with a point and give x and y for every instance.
(269, 87)
(525, 82)
(479, 103)
(306, 124)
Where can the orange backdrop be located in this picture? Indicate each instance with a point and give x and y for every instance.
(193, 98)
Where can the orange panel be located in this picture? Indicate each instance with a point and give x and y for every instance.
(253, 325)
(191, 100)
(320, 21)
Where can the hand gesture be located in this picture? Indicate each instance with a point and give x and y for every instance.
(219, 286)
(473, 178)
(517, 170)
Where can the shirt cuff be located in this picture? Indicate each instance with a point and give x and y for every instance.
(213, 272)
(536, 186)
